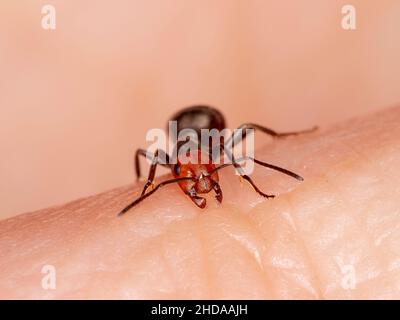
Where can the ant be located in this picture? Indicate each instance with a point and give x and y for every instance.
(198, 178)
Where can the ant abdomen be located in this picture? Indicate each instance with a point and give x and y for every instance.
(197, 118)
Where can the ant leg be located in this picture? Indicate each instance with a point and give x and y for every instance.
(241, 134)
(274, 133)
(139, 152)
(144, 153)
(264, 164)
(153, 168)
(239, 169)
(246, 177)
(218, 192)
(198, 201)
(152, 173)
(148, 194)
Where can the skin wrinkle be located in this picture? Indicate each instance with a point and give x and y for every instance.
(331, 289)
(266, 240)
(397, 227)
(380, 278)
(394, 265)
(179, 270)
(365, 159)
(257, 230)
(251, 249)
(382, 174)
(337, 196)
(353, 150)
(206, 266)
(169, 270)
(274, 266)
(390, 233)
(311, 263)
(148, 270)
(246, 244)
(359, 223)
(222, 224)
(384, 235)
(258, 255)
(221, 265)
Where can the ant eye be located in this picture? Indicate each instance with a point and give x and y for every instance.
(177, 169)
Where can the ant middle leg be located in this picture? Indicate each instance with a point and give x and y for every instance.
(144, 153)
(152, 171)
(240, 134)
(148, 194)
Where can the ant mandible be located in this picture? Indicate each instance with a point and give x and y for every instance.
(198, 178)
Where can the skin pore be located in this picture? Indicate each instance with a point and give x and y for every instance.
(334, 235)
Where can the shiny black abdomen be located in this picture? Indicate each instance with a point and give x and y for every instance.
(199, 117)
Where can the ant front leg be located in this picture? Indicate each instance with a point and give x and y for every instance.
(239, 169)
(152, 172)
(198, 201)
(146, 154)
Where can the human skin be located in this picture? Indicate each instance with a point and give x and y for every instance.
(342, 223)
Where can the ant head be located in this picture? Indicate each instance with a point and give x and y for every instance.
(191, 166)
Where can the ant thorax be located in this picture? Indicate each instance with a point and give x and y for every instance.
(217, 144)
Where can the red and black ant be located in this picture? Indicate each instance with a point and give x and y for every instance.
(199, 178)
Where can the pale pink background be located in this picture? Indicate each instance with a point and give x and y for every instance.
(76, 102)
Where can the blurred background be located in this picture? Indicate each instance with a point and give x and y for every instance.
(77, 101)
